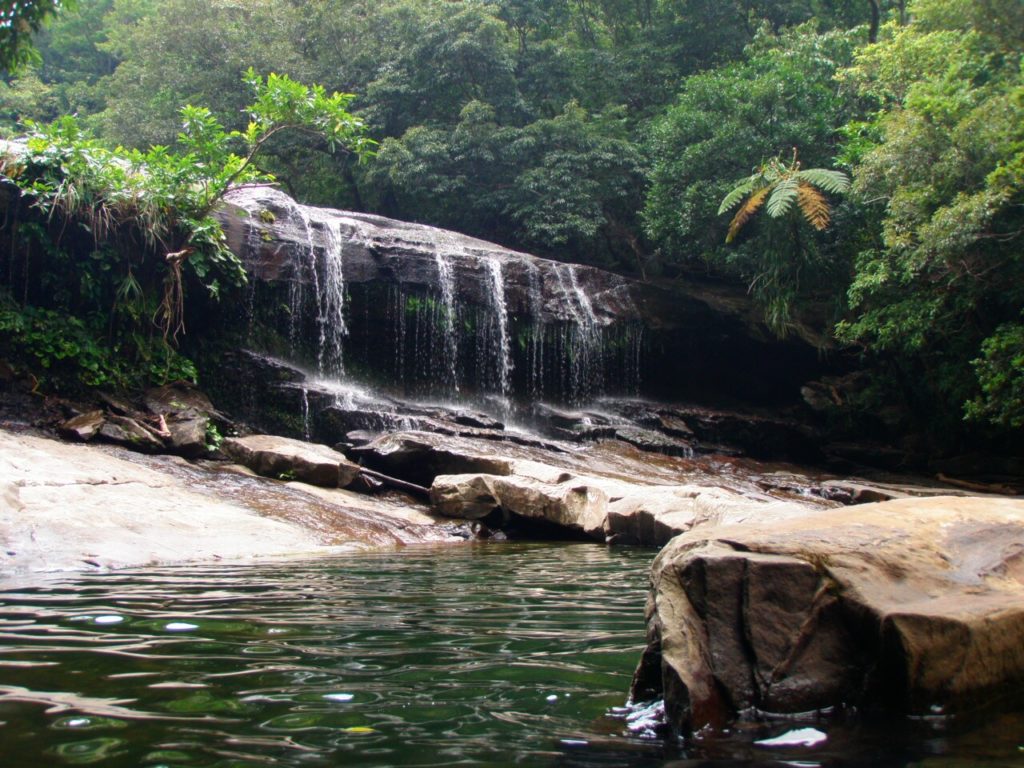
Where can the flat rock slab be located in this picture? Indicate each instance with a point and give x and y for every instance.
(73, 507)
(914, 605)
(287, 459)
(69, 507)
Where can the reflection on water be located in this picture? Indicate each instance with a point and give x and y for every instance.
(495, 654)
(428, 656)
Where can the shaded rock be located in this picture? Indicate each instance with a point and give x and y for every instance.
(673, 425)
(717, 430)
(914, 605)
(857, 456)
(573, 504)
(578, 507)
(130, 433)
(282, 457)
(177, 398)
(469, 497)
(565, 419)
(83, 427)
(360, 437)
(601, 508)
(117, 404)
(419, 457)
(188, 435)
(187, 414)
(475, 419)
(653, 441)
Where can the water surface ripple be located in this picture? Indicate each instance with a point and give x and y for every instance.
(482, 654)
(428, 656)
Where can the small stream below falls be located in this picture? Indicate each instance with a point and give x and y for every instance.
(481, 654)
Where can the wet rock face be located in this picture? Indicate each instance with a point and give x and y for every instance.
(914, 605)
(270, 230)
(433, 313)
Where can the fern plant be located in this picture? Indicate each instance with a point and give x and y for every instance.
(780, 257)
(776, 186)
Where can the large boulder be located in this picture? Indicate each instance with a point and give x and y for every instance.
(914, 605)
(603, 508)
(288, 459)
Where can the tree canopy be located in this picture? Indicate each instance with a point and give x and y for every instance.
(609, 133)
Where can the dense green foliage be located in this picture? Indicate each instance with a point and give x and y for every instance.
(609, 133)
(18, 21)
(111, 239)
(779, 99)
(940, 297)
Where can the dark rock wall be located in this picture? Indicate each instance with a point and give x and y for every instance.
(425, 312)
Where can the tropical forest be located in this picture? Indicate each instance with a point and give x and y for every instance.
(366, 368)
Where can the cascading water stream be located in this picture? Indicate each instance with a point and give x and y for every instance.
(501, 344)
(297, 287)
(446, 318)
(307, 422)
(331, 304)
(536, 346)
(581, 342)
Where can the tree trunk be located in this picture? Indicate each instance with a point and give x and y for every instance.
(875, 19)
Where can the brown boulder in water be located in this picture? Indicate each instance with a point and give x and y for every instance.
(913, 605)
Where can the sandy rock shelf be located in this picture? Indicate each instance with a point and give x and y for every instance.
(71, 507)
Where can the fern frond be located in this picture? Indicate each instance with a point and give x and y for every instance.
(833, 182)
(813, 205)
(746, 210)
(782, 197)
(737, 194)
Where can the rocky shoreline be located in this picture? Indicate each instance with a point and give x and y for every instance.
(776, 591)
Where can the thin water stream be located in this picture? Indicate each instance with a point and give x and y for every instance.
(483, 654)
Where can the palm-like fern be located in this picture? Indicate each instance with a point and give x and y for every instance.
(776, 186)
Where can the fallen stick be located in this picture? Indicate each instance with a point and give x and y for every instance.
(401, 485)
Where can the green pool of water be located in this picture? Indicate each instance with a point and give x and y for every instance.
(424, 656)
(491, 654)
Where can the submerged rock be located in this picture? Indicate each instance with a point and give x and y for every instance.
(913, 605)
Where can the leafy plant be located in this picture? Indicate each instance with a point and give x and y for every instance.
(214, 438)
(777, 185)
(143, 219)
(18, 21)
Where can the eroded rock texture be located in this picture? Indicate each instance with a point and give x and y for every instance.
(913, 605)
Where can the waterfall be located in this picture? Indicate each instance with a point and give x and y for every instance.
(297, 288)
(581, 343)
(536, 344)
(432, 314)
(307, 426)
(499, 342)
(446, 319)
(331, 304)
